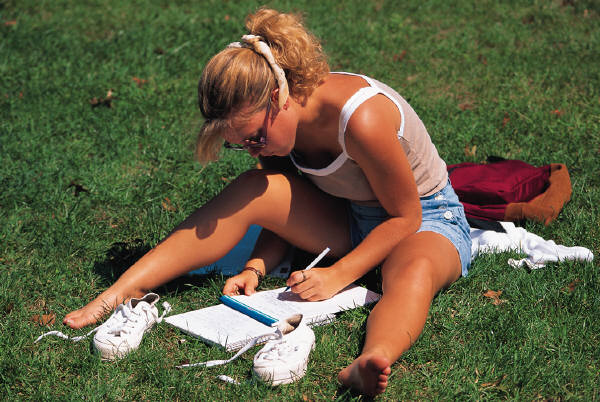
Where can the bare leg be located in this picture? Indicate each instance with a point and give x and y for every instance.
(285, 204)
(412, 275)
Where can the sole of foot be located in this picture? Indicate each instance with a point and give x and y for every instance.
(367, 375)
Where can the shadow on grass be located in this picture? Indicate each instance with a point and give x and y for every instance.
(122, 255)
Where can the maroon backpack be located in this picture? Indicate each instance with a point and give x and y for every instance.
(511, 190)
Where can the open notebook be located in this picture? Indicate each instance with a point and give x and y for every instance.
(222, 325)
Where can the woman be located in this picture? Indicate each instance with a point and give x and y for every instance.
(373, 188)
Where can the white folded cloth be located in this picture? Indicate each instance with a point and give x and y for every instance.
(539, 251)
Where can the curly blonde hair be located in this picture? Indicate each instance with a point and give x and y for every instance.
(239, 78)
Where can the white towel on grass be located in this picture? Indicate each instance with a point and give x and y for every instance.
(539, 251)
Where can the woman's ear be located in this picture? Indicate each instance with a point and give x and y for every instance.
(275, 96)
(275, 99)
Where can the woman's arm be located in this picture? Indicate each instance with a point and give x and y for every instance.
(371, 140)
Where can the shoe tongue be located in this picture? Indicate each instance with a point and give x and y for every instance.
(149, 299)
(291, 323)
(285, 327)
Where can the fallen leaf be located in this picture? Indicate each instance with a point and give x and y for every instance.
(557, 112)
(399, 57)
(505, 120)
(495, 296)
(44, 319)
(482, 59)
(571, 286)
(468, 105)
(470, 151)
(227, 17)
(139, 81)
(167, 206)
(225, 179)
(10, 23)
(493, 383)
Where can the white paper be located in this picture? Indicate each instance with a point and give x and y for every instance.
(227, 327)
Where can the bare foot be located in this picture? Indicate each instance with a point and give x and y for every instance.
(368, 374)
(94, 310)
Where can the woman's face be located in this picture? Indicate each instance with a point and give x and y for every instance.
(269, 132)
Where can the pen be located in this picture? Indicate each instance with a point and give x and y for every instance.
(314, 262)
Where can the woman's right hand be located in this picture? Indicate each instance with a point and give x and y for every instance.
(244, 283)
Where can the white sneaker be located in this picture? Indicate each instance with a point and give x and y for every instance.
(283, 360)
(123, 331)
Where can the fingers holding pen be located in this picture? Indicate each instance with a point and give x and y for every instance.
(297, 281)
(315, 284)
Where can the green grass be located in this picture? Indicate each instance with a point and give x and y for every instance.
(84, 189)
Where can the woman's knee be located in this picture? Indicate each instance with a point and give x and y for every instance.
(255, 178)
(426, 258)
(262, 179)
(255, 184)
(417, 272)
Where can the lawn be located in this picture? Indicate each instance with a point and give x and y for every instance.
(98, 115)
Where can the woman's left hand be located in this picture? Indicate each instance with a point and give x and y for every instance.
(315, 284)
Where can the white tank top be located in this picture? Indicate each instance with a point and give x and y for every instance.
(344, 178)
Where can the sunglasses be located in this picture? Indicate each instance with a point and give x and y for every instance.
(253, 143)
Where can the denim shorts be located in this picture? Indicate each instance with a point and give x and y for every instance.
(442, 213)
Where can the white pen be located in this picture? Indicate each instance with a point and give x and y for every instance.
(314, 262)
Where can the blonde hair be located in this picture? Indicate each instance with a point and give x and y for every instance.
(239, 78)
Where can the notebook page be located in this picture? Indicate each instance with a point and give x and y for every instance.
(220, 325)
(281, 304)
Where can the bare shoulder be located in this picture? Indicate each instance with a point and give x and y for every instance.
(378, 118)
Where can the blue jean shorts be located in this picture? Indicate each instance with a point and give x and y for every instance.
(442, 213)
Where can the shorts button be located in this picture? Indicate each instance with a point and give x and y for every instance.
(448, 215)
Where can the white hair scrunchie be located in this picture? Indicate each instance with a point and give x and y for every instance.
(259, 46)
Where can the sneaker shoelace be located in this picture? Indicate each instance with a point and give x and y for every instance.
(261, 338)
(123, 320)
(279, 350)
